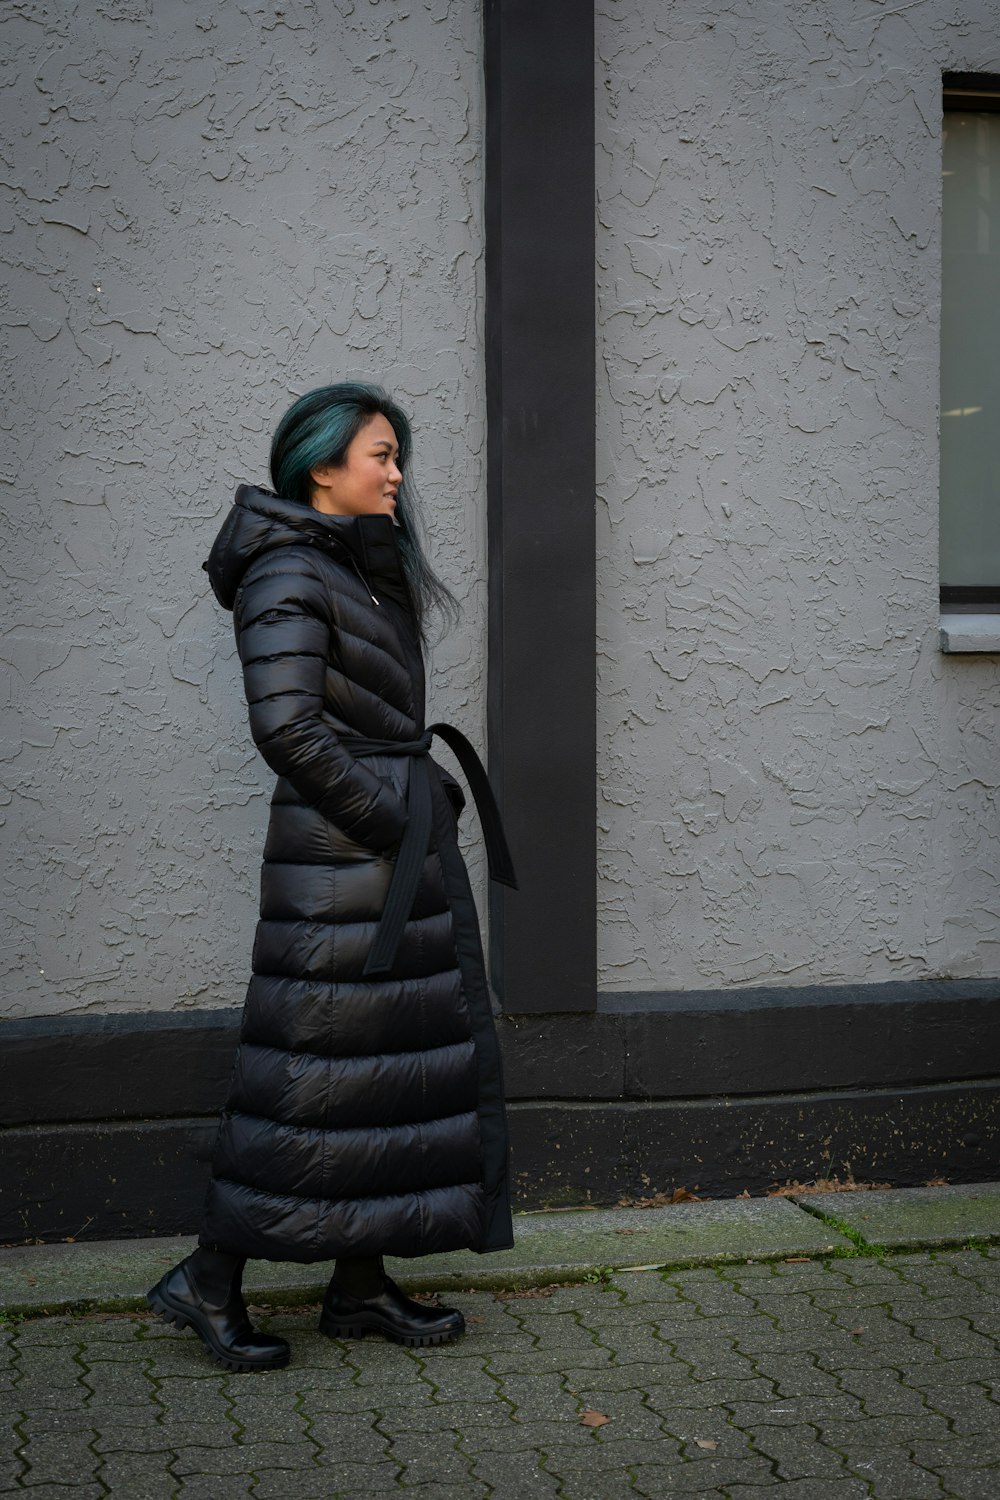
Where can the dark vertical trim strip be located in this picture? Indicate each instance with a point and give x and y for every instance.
(540, 384)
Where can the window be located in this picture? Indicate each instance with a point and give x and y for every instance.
(970, 366)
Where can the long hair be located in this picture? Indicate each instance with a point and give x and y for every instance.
(318, 429)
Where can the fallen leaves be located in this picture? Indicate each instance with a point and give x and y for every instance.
(661, 1200)
(526, 1291)
(705, 1443)
(591, 1418)
(823, 1185)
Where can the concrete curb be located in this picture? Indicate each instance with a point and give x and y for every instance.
(564, 1246)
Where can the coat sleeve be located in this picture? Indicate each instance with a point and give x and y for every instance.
(283, 624)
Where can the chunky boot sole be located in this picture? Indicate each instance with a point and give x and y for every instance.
(182, 1317)
(361, 1323)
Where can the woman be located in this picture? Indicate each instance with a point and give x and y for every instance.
(365, 1111)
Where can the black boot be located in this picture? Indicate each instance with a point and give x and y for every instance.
(204, 1292)
(361, 1297)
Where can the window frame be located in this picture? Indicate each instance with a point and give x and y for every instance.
(970, 614)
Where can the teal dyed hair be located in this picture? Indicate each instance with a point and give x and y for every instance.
(318, 429)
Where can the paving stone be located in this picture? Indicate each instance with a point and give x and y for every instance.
(332, 1477)
(799, 1452)
(57, 1331)
(806, 1489)
(464, 1382)
(656, 1315)
(358, 1436)
(893, 1218)
(971, 1484)
(640, 1342)
(556, 1330)
(516, 1474)
(12, 1469)
(267, 1418)
(72, 1490)
(952, 1338)
(708, 1394)
(128, 1386)
(429, 1455)
(545, 1361)
(470, 1489)
(704, 1476)
(354, 1398)
(893, 1475)
(937, 1371)
(244, 1458)
(882, 1393)
(450, 1416)
(933, 1452)
(197, 1397)
(539, 1397)
(53, 1419)
(185, 1433)
(610, 1457)
(795, 1375)
(627, 1377)
(235, 1487)
(521, 1437)
(59, 1457)
(969, 1408)
(630, 1416)
(138, 1476)
(157, 1438)
(605, 1484)
(791, 1411)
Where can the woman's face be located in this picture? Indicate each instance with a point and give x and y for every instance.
(367, 481)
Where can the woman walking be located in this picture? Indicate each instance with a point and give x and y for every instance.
(365, 1111)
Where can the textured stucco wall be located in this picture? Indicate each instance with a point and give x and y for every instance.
(796, 787)
(206, 209)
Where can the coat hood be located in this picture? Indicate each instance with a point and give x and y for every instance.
(260, 521)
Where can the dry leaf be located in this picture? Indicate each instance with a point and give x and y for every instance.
(857, 1330)
(591, 1418)
(823, 1185)
(474, 1318)
(706, 1443)
(661, 1200)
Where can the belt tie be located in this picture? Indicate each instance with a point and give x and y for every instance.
(415, 843)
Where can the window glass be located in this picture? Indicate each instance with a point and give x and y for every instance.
(970, 350)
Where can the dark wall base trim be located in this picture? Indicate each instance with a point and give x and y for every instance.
(126, 1180)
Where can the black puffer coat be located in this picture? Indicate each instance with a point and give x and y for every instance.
(365, 1112)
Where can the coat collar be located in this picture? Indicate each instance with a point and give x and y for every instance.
(260, 520)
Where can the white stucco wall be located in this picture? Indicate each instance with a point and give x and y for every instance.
(796, 787)
(207, 209)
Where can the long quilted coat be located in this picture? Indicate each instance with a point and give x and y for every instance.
(365, 1110)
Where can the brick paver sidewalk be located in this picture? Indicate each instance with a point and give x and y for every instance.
(850, 1377)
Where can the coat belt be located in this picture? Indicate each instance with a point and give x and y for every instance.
(414, 848)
